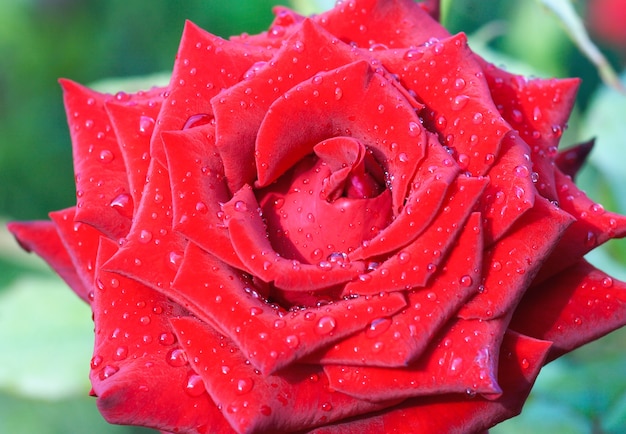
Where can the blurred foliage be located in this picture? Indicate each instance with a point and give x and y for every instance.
(46, 332)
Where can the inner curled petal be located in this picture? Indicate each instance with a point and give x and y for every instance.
(355, 172)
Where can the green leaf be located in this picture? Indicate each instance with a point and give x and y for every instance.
(47, 336)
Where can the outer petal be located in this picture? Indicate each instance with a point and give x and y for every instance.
(366, 23)
(42, 238)
(513, 262)
(522, 358)
(81, 243)
(401, 339)
(240, 109)
(137, 360)
(593, 227)
(576, 306)
(271, 338)
(205, 65)
(463, 359)
(152, 252)
(133, 126)
(198, 190)
(539, 110)
(447, 79)
(99, 168)
(297, 399)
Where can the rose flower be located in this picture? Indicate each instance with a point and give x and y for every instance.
(348, 223)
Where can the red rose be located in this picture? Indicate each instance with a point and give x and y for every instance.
(339, 225)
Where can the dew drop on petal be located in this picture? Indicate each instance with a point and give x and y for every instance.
(325, 325)
(195, 385)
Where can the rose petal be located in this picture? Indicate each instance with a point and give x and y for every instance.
(426, 194)
(574, 307)
(463, 359)
(305, 206)
(81, 243)
(152, 251)
(198, 188)
(521, 359)
(512, 263)
(99, 168)
(413, 265)
(249, 238)
(271, 338)
(326, 106)
(137, 359)
(456, 96)
(195, 81)
(368, 24)
(399, 340)
(593, 226)
(511, 192)
(286, 22)
(239, 110)
(539, 110)
(42, 238)
(294, 400)
(133, 126)
(571, 160)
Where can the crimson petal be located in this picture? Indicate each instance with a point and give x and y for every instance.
(270, 338)
(81, 243)
(42, 238)
(133, 126)
(462, 360)
(574, 307)
(367, 24)
(593, 226)
(99, 168)
(521, 359)
(198, 188)
(239, 111)
(426, 194)
(512, 263)
(249, 238)
(297, 399)
(137, 359)
(326, 106)
(196, 79)
(446, 77)
(401, 339)
(152, 252)
(511, 192)
(412, 266)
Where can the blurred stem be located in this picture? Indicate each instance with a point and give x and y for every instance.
(567, 16)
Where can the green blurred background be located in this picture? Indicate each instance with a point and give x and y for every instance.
(46, 332)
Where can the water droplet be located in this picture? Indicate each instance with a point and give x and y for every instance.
(325, 325)
(108, 371)
(607, 282)
(146, 125)
(197, 120)
(177, 357)
(244, 385)
(377, 327)
(241, 206)
(459, 102)
(195, 385)
(145, 236)
(167, 338)
(123, 204)
(120, 353)
(265, 410)
(338, 93)
(414, 129)
(466, 281)
(292, 341)
(327, 406)
(106, 156)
